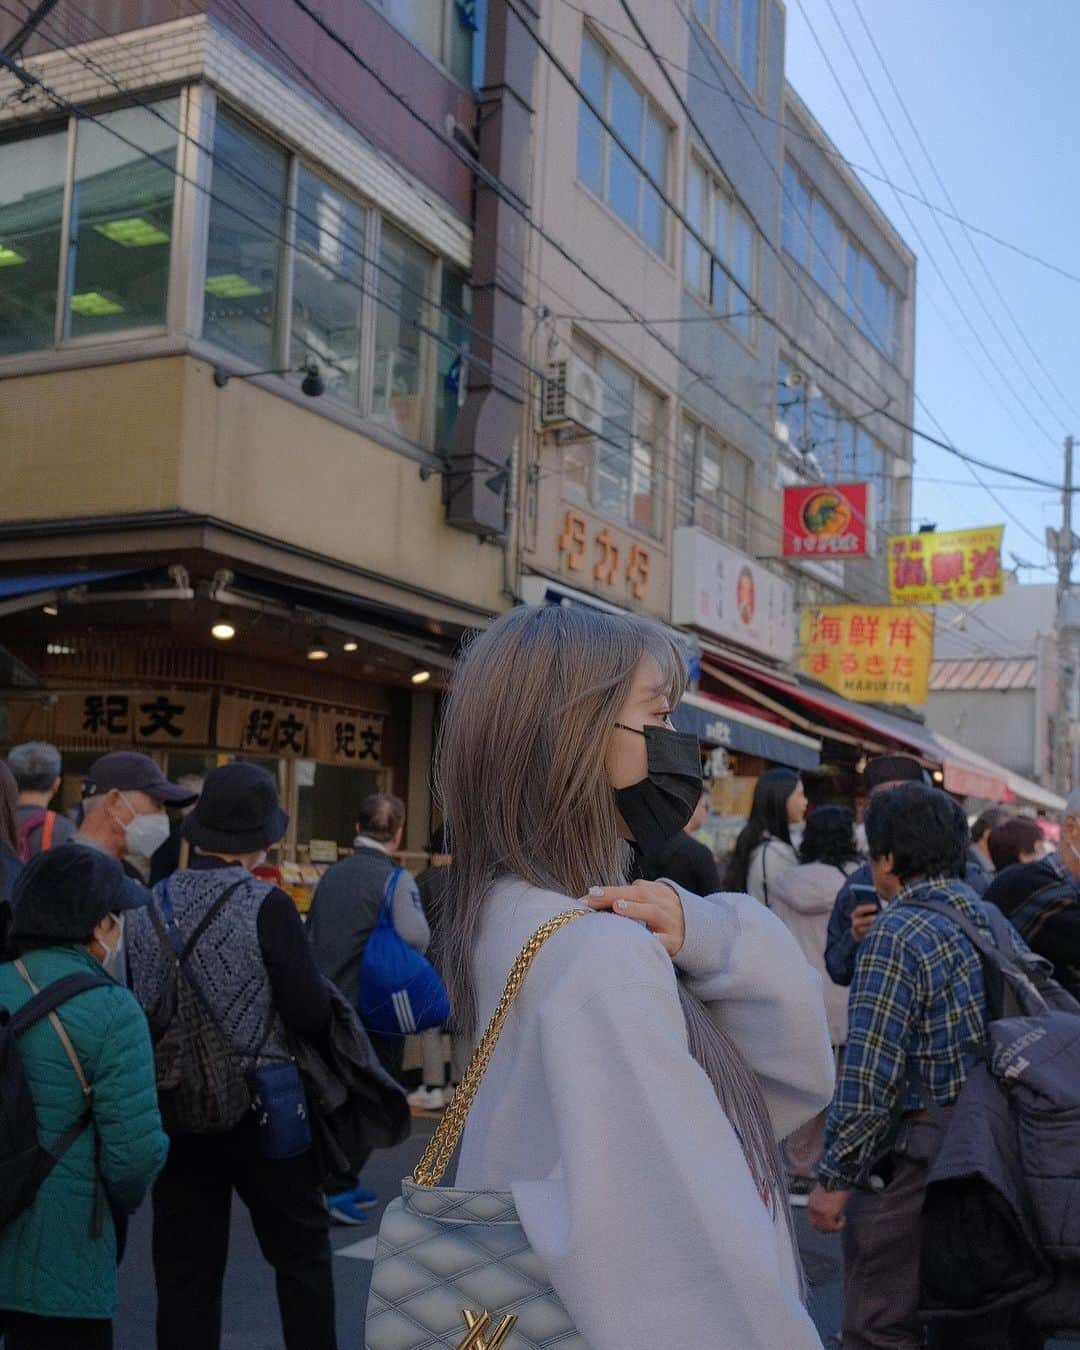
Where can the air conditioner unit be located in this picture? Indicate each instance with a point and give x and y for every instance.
(573, 396)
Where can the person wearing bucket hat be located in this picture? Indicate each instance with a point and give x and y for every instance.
(254, 972)
(69, 911)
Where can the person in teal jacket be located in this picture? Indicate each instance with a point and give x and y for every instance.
(57, 1278)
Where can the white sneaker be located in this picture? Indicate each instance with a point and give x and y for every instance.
(428, 1099)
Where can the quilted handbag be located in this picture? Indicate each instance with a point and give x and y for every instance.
(454, 1269)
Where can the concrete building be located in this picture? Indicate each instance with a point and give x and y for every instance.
(205, 223)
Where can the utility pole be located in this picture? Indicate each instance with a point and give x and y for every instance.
(1067, 711)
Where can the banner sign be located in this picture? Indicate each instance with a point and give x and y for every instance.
(265, 726)
(934, 569)
(110, 720)
(826, 521)
(722, 591)
(868, 653)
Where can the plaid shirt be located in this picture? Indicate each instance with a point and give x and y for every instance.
(918, 998)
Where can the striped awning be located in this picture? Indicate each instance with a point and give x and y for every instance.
(988, 673)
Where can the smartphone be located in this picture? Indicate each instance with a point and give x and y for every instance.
(866, 895)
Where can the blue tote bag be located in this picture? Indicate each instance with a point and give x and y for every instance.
(400, 990)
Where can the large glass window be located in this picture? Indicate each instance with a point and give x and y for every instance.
(619, 471)
(603, 166)
(445, 29)
(735, 27)
(727, 277)
(328, 285)
(121, 220)
(404, 285)
(452, 362)
(32, 174)
(719, 480)
(247, 220)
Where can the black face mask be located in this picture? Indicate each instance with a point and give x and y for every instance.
(658, 807)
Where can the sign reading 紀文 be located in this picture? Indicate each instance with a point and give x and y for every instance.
(935, 569)
(868, 653)
(826, 521)
(722, 591)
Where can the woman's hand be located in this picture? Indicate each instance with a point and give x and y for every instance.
(654, 903)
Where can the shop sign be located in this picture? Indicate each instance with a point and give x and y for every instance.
(934, 569)
(826, 520)
(722, 591)
(871, 654)
(613, 563)
(264, 726)
(112, 720)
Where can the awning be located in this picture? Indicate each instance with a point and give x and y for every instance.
(718, 724)
(24, 592)
(964, 767)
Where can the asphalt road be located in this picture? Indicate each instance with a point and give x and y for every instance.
(251, 1322)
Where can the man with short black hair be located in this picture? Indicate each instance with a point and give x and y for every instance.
(916, 1015)
(979, 852)
(36, 766)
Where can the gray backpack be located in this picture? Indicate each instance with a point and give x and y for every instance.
(1002, 1213)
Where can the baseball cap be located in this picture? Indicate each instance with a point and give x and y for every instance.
(893, 769)
(129, 771)
(63, 894)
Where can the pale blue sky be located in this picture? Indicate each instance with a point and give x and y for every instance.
(992, 87)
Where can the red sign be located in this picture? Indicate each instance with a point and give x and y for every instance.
(826, 520)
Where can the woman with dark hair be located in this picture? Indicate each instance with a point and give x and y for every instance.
(763, 850)
(803, 898)
(636, 1092)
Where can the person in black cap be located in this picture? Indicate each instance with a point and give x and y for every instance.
(254, 972)
(57, 1278)
(124, 799)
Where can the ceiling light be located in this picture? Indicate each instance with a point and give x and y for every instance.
(51, 610)
(318, 651)
(94, 305)
(223, 630)
(351, 647)
(231, 286)
(420, 676)
(133, 232)
(10, 257)
(59, 649)
(938, 776)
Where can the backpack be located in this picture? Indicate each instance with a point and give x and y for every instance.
(25, 1161)
(202, 1080)
(1001, 1220)
(29, 823)
(400, 990)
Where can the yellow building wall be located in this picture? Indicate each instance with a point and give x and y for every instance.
(153, 435)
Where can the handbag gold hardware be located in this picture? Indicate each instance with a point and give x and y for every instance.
(429, 1170)
(478, 1324)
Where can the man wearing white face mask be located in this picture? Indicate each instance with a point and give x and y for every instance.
(124, 800)
(1042, 899)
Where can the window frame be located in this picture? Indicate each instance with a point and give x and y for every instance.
(445, 40)
(735, 511)
(705, 243)
(607, 141)
(732, 57)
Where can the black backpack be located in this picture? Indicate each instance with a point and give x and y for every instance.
(25, 1161)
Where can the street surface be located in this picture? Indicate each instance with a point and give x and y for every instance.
(251, 1321)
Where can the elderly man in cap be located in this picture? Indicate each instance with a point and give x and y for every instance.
(58, 1256)
(124, 801)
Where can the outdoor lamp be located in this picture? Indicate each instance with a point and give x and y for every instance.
(313, 385)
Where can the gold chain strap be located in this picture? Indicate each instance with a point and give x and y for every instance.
(429, 1170)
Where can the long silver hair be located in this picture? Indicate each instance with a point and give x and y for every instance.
(522, 780)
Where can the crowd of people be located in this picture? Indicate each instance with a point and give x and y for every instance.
(792, 1029)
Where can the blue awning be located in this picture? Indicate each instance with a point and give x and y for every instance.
(717, 724)
(54, 581)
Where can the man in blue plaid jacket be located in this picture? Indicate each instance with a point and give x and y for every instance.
(917, 1012)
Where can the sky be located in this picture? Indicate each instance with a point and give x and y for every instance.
(991, 87)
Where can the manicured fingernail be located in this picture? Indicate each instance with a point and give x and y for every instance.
(620, 904)
(596, 890)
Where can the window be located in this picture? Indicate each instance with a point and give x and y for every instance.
(327, 311)
(445, 29)
(814, 236)
(452, 361)
(603, 166)
(735, 27)
(618, 471)
(732, 241)
(404, 286)
(117, 272)
(715, 484)
(244, 253)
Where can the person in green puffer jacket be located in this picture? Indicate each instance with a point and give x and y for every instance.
(57, 1279)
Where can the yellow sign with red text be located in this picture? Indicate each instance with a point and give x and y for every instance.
(939, 569)
(869, 653)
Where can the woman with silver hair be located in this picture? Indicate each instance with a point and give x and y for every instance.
(658, 1048)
